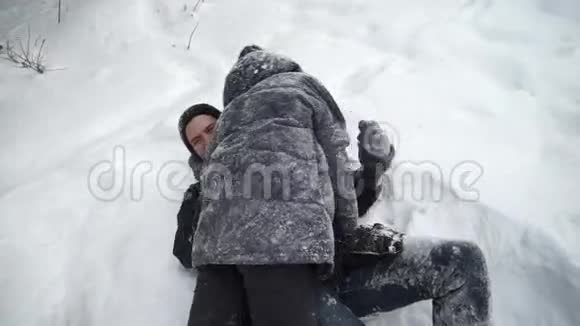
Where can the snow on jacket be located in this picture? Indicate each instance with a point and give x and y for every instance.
(368, 191)
(276, 177)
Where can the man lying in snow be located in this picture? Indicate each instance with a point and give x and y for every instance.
(372, 275)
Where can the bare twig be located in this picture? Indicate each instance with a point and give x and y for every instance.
(191, 35)
(59, 2)
(13, 55)
(197, 5)
(56, 69)
(40, 55)
(22, 50)
(29, 56)
(195, 8)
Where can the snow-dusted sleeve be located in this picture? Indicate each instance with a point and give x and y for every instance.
(187, 218)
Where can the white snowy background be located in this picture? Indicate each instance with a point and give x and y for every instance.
(495, 82)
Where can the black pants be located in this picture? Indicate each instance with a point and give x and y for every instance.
(453, 274)
(265, 295)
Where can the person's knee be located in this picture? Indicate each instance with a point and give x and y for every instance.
(471, 256)
(463, 257)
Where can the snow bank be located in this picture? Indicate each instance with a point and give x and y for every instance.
(484, 81)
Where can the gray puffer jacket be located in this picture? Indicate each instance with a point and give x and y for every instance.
(276, 180)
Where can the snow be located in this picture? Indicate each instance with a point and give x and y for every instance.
(476, 80)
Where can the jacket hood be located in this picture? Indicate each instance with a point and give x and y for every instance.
(254, 65)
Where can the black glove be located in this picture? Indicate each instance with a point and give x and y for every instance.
(376, 240)
(375, 151)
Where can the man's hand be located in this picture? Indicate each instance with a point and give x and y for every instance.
(375, 151)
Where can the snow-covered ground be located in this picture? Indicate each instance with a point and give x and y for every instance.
(494, 82)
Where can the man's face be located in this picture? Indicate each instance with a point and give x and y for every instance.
(199, 132)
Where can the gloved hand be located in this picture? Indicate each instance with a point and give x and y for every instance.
(376, 240)
(375, 151)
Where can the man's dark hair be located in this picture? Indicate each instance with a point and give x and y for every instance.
(188, 115)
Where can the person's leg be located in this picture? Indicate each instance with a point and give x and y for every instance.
(451, 273)
(281, 295)
(332, 312)
(219, 298)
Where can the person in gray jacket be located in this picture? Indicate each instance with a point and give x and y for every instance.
(452, 273)
(275, 187)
